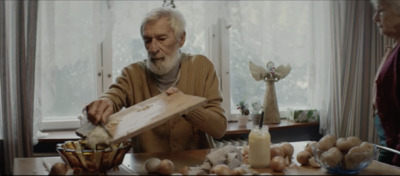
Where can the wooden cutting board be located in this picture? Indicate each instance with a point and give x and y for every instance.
(146, 115)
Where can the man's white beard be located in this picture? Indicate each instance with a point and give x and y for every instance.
(162, 67)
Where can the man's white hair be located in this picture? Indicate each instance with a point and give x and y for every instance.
(394, 4)
(175, 18)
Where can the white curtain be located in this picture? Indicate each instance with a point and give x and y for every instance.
(320, 72)
(18, 35)
(357, 52)
(2, 61)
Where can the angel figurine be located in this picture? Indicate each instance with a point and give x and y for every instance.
(270, 75)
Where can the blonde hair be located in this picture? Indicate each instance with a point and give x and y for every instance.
(175, 18)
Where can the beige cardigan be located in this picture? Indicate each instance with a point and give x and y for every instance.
(197, 77)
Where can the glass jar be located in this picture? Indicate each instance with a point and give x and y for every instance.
(259, 147)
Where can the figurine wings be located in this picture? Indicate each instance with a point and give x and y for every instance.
(282, 71)
(258, 73)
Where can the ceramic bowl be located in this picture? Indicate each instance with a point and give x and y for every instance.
(78, 155)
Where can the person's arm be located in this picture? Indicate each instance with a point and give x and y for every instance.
(110, 101)
(121, 90)
(120, 94)
(99, 110)
(210, 118)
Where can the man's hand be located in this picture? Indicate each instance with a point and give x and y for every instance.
(99, 110)
(172, 90)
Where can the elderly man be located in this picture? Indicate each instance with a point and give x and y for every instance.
(167, 70)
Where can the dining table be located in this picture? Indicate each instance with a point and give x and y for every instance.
(133, 163)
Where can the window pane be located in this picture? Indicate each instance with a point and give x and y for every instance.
(65, 57)
(127, 45)
(277, 31)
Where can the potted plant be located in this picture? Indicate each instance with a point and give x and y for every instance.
(255, 114)
(243, 107)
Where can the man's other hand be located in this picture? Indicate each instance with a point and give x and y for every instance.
(172, 90)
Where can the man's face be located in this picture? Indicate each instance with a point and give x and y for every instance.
(387, 20)
(161, 45)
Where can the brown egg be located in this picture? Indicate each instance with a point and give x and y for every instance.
(355, 156)
(326, 142)
(288, 148)
(58, 169)
(308, 146)
(152, 165)
(166, 167)
(277, 164)
(277, 150)
(332, 157)
(367, 146)
(345, 144)
(303, 157)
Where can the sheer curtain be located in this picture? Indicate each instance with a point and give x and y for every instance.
(2, 73)
(320, 73)
(2, 62)
(357, 52)
(17, 81)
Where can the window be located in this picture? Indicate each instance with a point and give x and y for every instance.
(278, 31)
(67, 54)
(83, 45)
